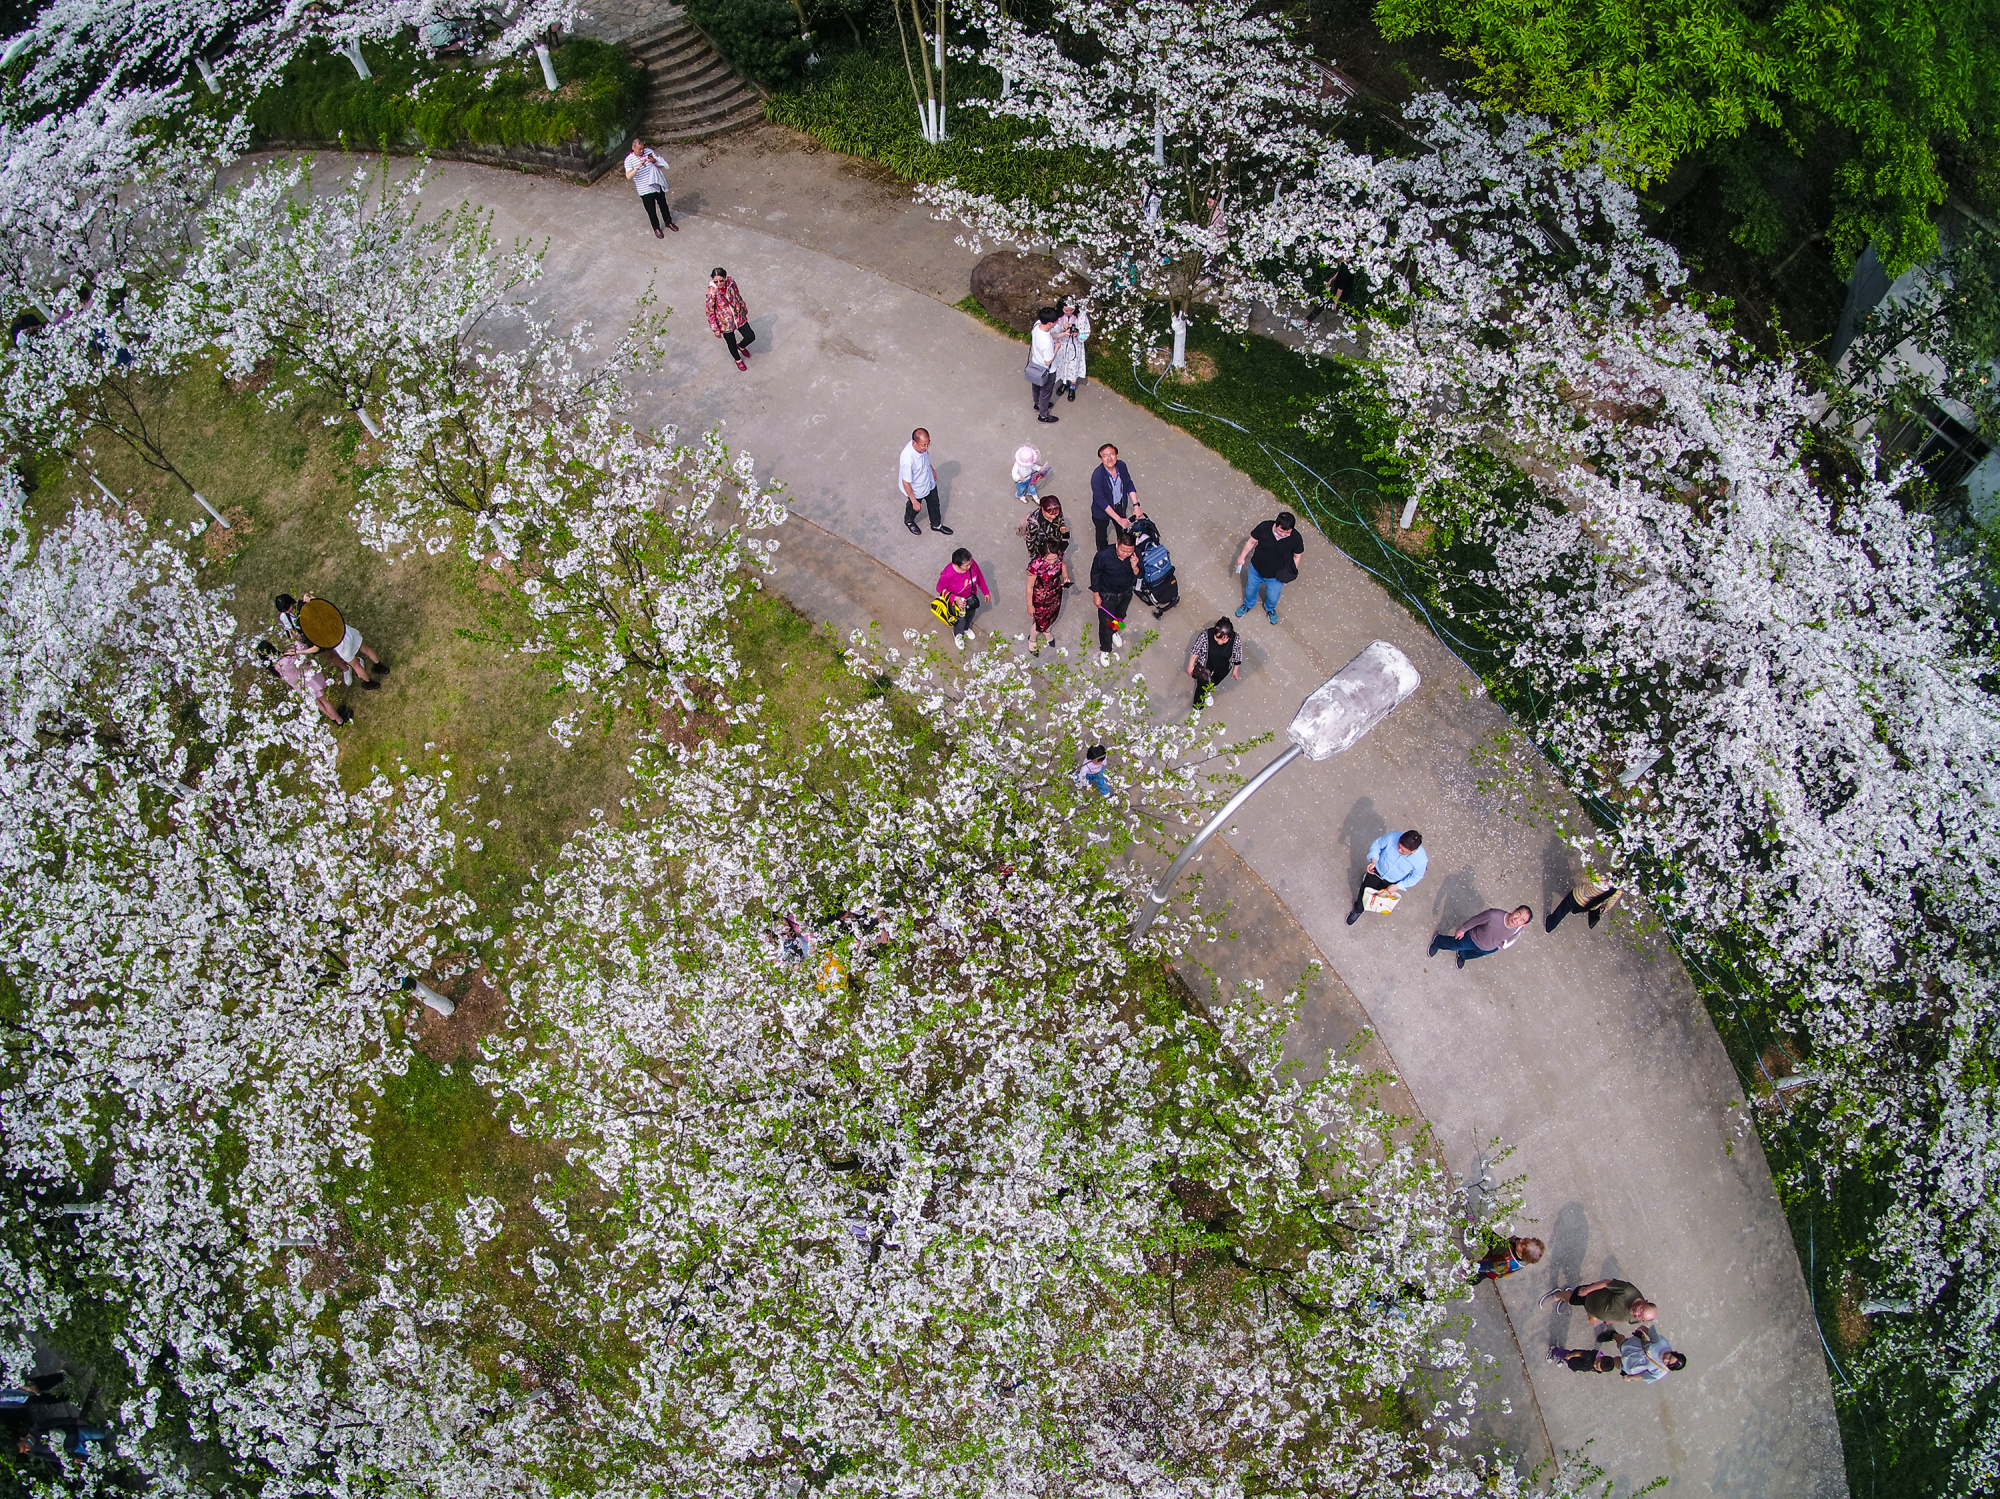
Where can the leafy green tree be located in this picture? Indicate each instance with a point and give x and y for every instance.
(1893, 81)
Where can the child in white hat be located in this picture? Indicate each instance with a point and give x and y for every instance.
(1029, 470)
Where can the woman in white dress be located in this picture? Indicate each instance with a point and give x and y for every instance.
(1072, 328)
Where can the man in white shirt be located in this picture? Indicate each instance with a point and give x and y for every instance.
(1042, 357)
(648, 173)
(918, 481)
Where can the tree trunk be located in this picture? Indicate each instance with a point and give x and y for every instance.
(1180, 341)
(548, 65)
(940, 74)
(351, 50)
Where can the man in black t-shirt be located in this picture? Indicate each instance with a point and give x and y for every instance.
(1114, 575)
(1268, 561)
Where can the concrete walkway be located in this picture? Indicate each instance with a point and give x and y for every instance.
(1586, 1051)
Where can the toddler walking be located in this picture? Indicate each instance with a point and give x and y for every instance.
(1029, 470)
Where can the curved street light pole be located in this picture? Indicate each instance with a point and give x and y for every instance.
(1156, 898)
(1355, 699)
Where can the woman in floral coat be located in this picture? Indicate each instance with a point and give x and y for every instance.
(728, 318)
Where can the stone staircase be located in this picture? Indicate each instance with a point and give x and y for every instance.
(693, 92)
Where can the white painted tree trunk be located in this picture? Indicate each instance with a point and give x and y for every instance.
(548, 65)
(351, 50)
(195, 492)
(1639, 767)
(367, 421)
(1180, 342)
(431, 998)
(207, 73)
(1409, 514)
(1159, 138)
(940, 71)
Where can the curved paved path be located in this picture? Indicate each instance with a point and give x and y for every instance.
(1589, 1052)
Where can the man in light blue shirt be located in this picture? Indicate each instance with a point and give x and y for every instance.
(1396, 861)
(1647, 1355)
(1644, 1355)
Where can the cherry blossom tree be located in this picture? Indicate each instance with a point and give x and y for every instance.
(926, 1181)
(1759, 662)
(352, 293)
(204, 933)
(1198, 114)
(93, 200)
(104, 97)
(482, 444)
(641, 562)
(498, 433)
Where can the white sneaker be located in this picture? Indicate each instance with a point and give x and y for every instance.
(1118, 640)
(1104, 658)
(958, 639)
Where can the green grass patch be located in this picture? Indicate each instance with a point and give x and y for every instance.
(858, 102)
(454, 700)
(437, 103)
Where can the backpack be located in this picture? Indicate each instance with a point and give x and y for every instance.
(1155, 562)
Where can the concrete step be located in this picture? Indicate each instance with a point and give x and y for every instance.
(681, 130)
(708, 120)
(705, 80)
(696, 92)
(692, 90)
(668, 50)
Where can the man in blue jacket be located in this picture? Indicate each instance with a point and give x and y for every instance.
(1396, 861)
(1112, 495)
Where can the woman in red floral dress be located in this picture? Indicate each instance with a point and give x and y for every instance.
(728, 318)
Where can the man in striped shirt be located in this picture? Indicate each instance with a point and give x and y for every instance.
(645, 171)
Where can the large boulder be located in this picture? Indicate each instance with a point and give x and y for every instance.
(1010, 286)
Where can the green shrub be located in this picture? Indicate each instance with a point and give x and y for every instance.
(859, 103)
(438, 104)
(759, 37)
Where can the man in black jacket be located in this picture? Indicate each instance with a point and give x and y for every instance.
(1114, 575)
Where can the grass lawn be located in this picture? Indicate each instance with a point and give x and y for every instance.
(452, 701)
(858, 102)
(440, 103)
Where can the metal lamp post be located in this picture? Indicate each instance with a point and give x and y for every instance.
(1358, 697)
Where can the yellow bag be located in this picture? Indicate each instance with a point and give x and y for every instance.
(1381, 902)
(946, 608)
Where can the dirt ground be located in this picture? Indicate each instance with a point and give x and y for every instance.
(786, 184)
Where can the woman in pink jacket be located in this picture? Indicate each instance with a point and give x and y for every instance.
(728, 318)
(959, 580)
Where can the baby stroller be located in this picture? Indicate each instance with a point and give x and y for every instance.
(1159, 589)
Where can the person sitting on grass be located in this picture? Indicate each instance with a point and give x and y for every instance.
(295, 668)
